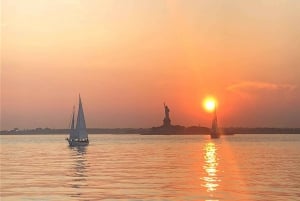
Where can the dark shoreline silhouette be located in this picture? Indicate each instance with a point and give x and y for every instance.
(165, 129)
(173, 130)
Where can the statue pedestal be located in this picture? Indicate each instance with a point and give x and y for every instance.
(167, 122)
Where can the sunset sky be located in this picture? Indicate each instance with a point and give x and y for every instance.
(127, 57)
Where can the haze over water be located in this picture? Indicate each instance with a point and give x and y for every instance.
(140, 167)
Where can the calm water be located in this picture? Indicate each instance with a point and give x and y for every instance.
(136, 167)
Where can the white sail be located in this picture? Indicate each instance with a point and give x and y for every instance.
(72, 129)
(80, 130)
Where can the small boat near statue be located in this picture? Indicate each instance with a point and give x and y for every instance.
(215, 133)
(78, 135)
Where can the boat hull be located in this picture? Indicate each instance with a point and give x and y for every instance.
(214, 135)
(75, 143)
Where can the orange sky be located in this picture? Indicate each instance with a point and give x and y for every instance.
(127, 57)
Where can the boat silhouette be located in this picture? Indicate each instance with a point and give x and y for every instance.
(78, 135)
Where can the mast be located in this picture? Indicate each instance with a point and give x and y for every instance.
(215, 122)
(80, 124)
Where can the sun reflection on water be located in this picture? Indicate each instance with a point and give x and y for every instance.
(210, 167)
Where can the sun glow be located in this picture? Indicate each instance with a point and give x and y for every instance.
(209, 104)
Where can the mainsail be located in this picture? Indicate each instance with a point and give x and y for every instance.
(214, 128)
(80, 130)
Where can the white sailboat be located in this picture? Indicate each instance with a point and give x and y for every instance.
(78, 136)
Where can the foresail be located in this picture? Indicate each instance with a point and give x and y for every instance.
(72, 128)
(80, 124)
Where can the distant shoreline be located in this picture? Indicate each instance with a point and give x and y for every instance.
(176, 130)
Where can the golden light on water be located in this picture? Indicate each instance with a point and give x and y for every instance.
(210, 167)
(209, 104)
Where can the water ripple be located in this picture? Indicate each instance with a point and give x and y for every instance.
(134, 167)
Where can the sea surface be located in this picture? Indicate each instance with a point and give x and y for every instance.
(144, 167)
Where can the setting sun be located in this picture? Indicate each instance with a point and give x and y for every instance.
(209, 104)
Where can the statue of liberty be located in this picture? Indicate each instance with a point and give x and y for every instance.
(167, 111)
(167, 120)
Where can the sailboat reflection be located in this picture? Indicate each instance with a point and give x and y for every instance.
(210, 167)
(78, 175)
(80, 160)
(79, 150)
